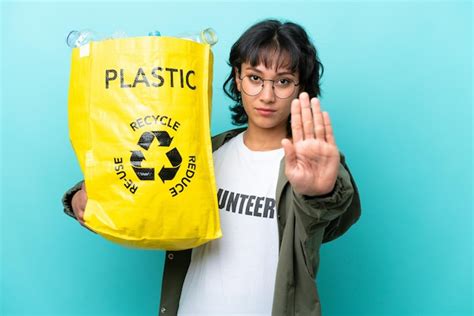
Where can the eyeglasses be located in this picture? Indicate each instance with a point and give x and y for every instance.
(283, 87)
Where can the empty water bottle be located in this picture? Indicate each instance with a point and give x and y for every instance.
(206, 36)
(80, 38)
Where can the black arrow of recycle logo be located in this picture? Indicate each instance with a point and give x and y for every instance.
(174, 157)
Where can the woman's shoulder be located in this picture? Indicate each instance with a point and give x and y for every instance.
(220, 139)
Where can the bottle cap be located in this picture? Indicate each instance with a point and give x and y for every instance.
(208, 36)
(71, 39)
(79, 38)
(154, 33)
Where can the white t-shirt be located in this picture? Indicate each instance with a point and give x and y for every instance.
(235, 275)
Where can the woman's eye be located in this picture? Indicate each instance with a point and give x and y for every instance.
(254, 78)
(283, 82)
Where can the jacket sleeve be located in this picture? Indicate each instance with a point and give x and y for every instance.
(342, 223)
(336, 211)
(67, 199)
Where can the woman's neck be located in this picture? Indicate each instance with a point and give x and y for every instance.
(260, 139)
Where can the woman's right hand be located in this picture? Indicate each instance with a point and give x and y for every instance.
(79, 201)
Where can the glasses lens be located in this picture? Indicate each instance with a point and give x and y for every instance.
(284, 91)
(254, 85)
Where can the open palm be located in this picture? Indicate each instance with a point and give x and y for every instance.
(311, 157)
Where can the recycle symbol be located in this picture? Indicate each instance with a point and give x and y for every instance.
(173, 155)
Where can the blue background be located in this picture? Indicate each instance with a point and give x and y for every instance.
(398, 86)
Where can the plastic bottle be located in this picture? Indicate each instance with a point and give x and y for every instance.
(206, 36)
(80, 38)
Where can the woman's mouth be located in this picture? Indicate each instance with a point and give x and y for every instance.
(265, 111)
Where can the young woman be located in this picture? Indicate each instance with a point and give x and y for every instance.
(283, 188)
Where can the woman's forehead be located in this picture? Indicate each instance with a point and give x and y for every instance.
(275, 59)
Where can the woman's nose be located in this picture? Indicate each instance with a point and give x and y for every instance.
(267, 94)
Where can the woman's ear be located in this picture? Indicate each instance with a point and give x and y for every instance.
(237, 80)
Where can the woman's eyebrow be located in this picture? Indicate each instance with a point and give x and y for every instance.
(278, 73)
(253, 69)
(286, 73)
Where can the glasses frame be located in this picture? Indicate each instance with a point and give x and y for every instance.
(263, 86)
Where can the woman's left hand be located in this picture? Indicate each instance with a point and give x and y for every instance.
(311, 157)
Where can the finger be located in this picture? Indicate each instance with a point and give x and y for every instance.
(306, 116)
(296, 126)
(83, 186)
(82, 199)
(318, 119)
(290, 154)
(328, 128)
(80, 215)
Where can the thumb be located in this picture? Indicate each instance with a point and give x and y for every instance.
(83, 186)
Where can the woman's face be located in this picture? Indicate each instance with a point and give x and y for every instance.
(265, 110)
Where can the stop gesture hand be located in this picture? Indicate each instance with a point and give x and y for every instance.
(311, 157)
